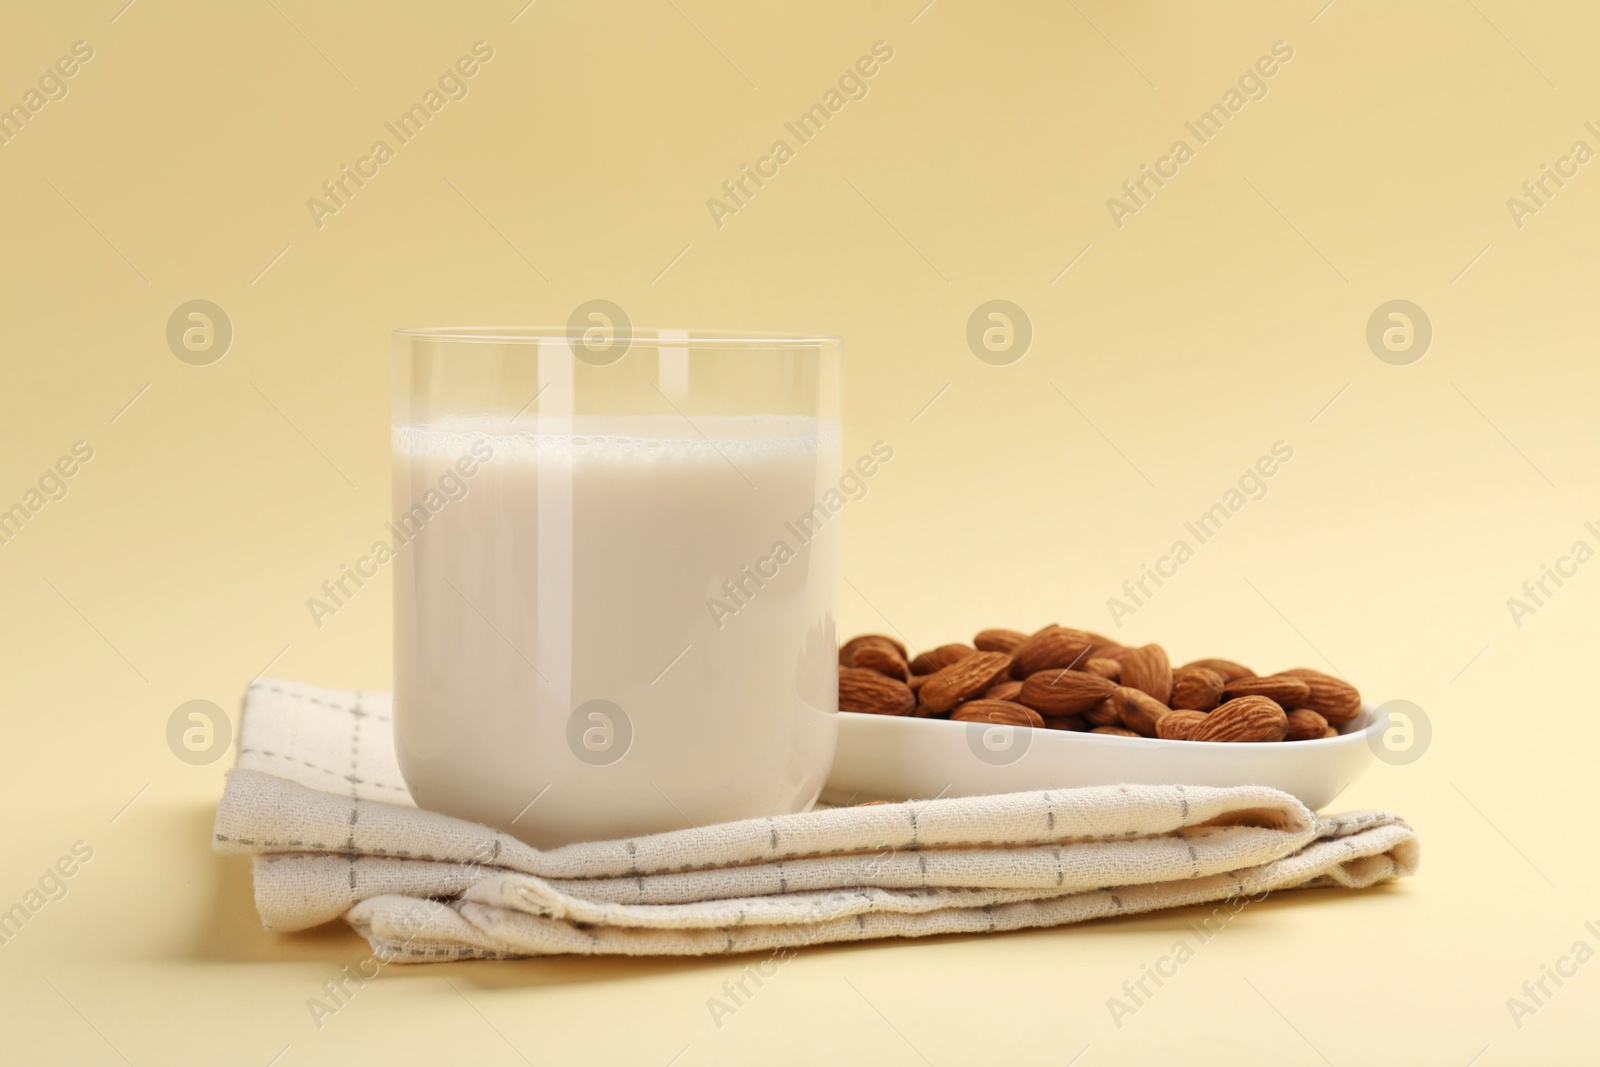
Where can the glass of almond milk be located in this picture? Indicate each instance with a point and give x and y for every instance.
(616, 581)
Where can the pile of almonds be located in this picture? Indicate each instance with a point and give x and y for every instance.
(1065, 679)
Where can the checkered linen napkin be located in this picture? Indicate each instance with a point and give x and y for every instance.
(318, 802)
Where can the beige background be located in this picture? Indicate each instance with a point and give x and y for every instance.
(1229, 313)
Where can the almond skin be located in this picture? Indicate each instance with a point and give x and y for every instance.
(1103, 645)
(1196, 688)
(1114, 731)
(1179, 725)
(1148, 670)
(998, 640)
(964, 679)
(1247, 719)
(1333, 698)
(1106, 713)
(1076, 723)
(873, 693)
(883, 660)
(1281, 689)
(1060, 692)
(1104, 667)
(1003, 691)
(1225, 667)
(934, 659)
(848, 650)
(1140, 712)
(1305, 725)
(999, 712)
(917, 681)
(1053, 647)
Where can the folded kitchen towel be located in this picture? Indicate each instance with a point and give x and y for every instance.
(318, 802)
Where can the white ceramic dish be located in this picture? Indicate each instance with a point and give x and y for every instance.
(887, 757)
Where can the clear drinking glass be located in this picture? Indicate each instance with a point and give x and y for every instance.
(615, 576)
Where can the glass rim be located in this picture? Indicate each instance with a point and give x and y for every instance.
(664, 337)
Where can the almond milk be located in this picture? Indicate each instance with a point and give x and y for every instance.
(563, 669)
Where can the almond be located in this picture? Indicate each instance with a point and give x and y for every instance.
(1148, 669)
(998, 640)
(1196, 688)
(1106, 713)
(848, 650)
(1075, 723)
(1061, 692)
(1249, 718)
(883, 660)
(1104, 667)
(1003, 691)
(873, 693)
(1138, 710)
(999, 712)
(935, 658)
(1103, 645)
(1060, 678)
(1225, 667)
(1333, 698)
(1053, 647)
(1304, 725)
(964, 679)
(1281, 689)
(1178, 725)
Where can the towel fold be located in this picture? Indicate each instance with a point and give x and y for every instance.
(318, 801)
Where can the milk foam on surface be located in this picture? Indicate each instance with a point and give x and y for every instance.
(578, 567)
